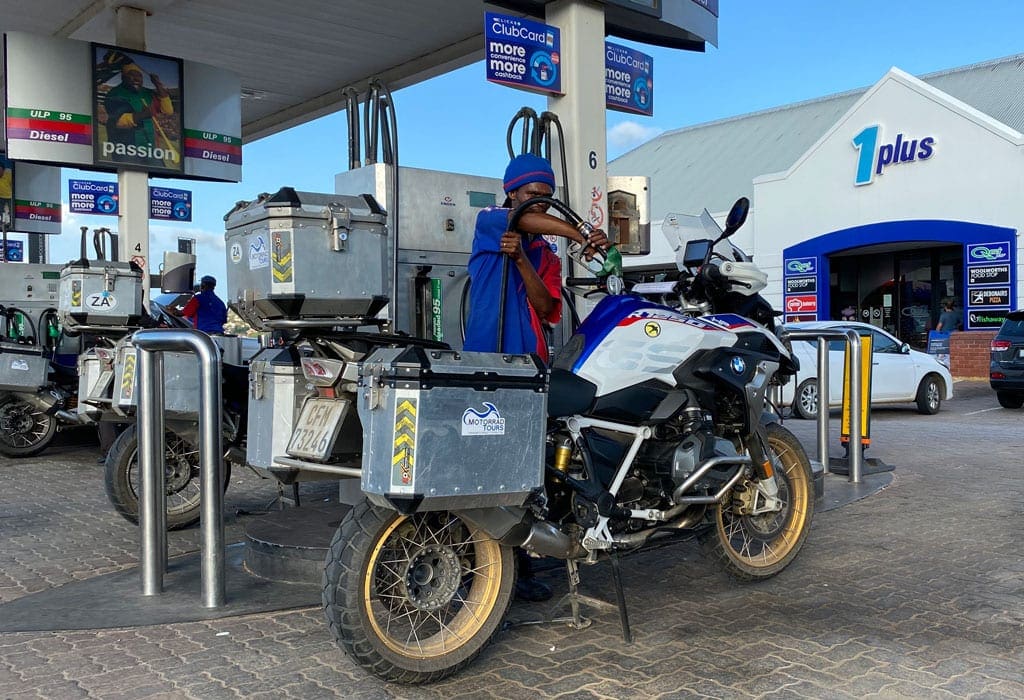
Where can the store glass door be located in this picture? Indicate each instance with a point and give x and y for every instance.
(900, 291)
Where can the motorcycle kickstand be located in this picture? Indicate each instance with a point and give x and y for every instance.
(620, 596)
(574, 598)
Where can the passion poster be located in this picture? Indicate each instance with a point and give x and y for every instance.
(137, 110)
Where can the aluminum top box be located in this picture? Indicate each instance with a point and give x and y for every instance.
(300, 255)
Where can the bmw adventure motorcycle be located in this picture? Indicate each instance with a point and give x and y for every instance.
(657, 426)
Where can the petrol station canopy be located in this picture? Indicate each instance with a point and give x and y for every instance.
(295, 58)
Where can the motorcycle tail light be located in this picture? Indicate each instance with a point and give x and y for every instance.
(326, 392)
(998, 345)
(321, 372)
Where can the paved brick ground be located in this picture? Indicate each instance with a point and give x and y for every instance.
(917, 591)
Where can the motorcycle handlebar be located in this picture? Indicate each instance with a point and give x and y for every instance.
(711, 272)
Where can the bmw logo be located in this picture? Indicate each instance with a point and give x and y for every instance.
(739, 366)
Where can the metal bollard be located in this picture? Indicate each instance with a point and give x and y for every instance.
(824, 398)
(152, 489)
(856, 385)
(151, 452)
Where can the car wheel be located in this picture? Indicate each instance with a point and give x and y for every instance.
(806, 402)
(1010, 400)
(929, 395)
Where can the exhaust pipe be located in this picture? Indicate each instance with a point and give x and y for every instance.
(69, 417)
(547, 540)
(515, 528)
(44, 402)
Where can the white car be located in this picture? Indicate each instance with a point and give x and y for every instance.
(898, 373)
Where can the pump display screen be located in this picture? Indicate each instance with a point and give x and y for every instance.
(695, 252)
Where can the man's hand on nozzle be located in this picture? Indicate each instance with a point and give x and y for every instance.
(597, 240)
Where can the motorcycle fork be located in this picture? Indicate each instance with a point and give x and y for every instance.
(757, 446)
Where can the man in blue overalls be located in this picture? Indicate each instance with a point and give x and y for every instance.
(533, 297)
(206, 311)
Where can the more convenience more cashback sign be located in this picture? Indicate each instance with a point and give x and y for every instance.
(628, 80)
(98, 197)
(523, 53)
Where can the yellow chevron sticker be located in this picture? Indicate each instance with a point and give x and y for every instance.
(128, 376)
(403, 455)
(281, 256)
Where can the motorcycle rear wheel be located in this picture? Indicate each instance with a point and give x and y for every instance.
(25, 430)
(122, 478)
(414, 598)
(754, 547)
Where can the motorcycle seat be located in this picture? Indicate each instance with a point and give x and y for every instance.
(569, 394)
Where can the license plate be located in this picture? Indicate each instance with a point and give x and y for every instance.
(317, 427)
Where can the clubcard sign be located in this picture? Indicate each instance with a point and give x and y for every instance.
(522, 53)
(92, 197)
(166, 204)
(96, 197)
(628, 80)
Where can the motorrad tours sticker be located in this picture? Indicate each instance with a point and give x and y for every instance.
(486, 422)
(103, 301)
(259, 253)
(20, 365)
(403, 455)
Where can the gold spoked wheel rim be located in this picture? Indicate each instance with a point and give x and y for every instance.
(762, 541)
(432, 582)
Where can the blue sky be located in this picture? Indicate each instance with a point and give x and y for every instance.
(769, 54)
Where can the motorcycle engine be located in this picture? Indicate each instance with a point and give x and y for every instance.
(697, 448)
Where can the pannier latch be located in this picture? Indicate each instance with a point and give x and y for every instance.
(340, 221)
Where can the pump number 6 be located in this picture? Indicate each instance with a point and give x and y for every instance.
(592, 158)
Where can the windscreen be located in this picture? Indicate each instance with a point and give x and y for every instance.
(680, 229)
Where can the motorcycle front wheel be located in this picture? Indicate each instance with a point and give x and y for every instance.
(122, 478)
(754, 547)
(414, 598)
(25, 430)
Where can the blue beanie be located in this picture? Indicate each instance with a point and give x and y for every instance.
(527, 168)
